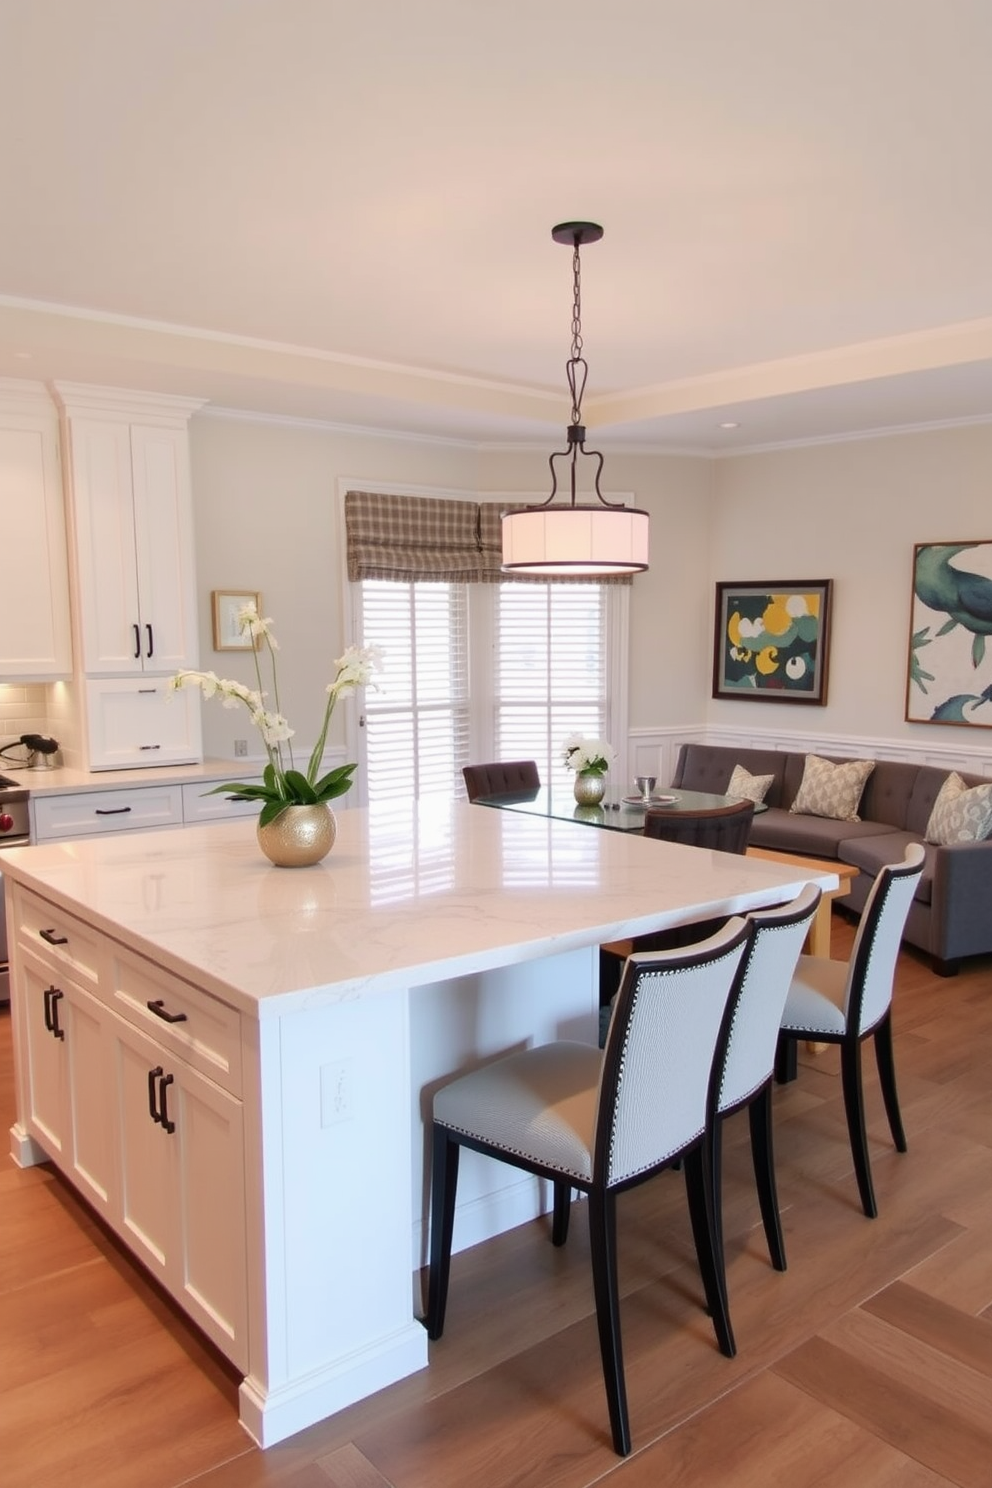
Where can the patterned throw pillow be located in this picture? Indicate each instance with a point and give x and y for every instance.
(832, 790)
(744, 786)
(960, 813)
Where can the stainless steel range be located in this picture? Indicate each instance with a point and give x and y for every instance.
(15, 831)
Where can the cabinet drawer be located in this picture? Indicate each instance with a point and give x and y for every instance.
(97, 813)
(55, 937)
(188, 1022)
(134, 724)
(200, 807)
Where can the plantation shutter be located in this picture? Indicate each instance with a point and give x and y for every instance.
(417, 726)
(550, 670)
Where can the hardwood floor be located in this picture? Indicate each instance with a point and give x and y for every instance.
(868, 1363)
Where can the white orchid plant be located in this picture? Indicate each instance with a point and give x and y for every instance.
(587, 756)
(282, 784)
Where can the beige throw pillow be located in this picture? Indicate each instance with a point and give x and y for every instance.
(832, 790)
(744, 786)
(960, 813)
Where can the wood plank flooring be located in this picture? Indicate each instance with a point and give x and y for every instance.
(868, 1364)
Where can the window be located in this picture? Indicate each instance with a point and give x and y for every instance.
(485, 671)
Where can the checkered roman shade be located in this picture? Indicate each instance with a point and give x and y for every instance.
(423, 538)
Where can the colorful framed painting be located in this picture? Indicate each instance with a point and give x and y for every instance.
(771, 641)
(949, 679)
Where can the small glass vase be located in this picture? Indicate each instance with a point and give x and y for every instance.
(299, 836)
(589, 788)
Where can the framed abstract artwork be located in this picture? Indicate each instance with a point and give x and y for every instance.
(949, 678)
(771, 641)
(228, 635)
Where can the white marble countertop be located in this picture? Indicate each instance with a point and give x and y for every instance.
(67, 779)
(411, 893)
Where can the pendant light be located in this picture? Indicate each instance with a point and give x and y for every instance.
(582, 538)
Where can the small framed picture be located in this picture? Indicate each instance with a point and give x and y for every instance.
(227, 605)
(771, 641)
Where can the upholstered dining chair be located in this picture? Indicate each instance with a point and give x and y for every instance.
(838, 1002)
(725, 828)
(746, 1064)
(602, 1122)
(504, 777)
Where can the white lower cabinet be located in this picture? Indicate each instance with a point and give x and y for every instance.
(182, 1195)
(148, 1138)
(68, 1078)
(134, 724)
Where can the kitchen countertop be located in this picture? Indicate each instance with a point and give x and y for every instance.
(412, 893)
(66, 779)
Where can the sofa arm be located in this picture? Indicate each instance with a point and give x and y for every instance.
(961, 905)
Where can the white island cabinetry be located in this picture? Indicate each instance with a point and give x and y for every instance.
(305, 1017)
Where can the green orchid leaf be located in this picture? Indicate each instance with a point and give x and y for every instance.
(271, 811)
(299, 789)
(978, 650)
(241, 788)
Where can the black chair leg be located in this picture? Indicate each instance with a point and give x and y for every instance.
(713, 1159)
(444, 1186)
(887, 1079)
(603, 1247)
(698, 1193)
(561, 1212)
(759, 1114)
(854, 1109)
(786, 1059)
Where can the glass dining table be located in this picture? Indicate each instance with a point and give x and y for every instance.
(623, 815)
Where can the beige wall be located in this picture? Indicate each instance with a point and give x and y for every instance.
(852, 512)
(265, 499)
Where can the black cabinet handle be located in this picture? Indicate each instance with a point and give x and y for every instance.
(149, 746)
(160, 1010)
(53, 937)
(111, 810)
(55, 998)
(166, 1080)
(137, 642)
(151, 642)
(48, 1009)
(152, 1108)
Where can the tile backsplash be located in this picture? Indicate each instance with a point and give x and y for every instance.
(23, 710)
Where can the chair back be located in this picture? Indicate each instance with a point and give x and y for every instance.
(504, 777)
(755, 1008)
(725, 828)
(873, 960)
(659, 1053)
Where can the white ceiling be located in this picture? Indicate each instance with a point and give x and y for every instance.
(341, 211)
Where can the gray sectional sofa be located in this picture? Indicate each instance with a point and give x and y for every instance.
(950, 917)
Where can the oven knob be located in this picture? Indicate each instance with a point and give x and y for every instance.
(6, 821)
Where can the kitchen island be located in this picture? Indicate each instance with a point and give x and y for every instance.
(233, 1063)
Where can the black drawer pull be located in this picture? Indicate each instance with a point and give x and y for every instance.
(159, 1009)
(153, 1111)
(53, 937)
(170, 1126)
(111, 810)
(149, 746)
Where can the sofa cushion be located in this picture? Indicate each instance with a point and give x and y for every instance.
(960, 814)
(832, 790)
(872, 853)
(744, 786)
(812, 836)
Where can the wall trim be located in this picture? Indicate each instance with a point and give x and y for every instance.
(654, 750)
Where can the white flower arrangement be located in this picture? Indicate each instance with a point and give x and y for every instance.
(587, 756)
(282, 784)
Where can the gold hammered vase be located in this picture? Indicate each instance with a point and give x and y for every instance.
(589, 790)
(299, 836)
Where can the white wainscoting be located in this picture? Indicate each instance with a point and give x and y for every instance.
(654, 751)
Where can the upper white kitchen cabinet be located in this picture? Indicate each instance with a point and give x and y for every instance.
(131, 527)
(34, 591)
